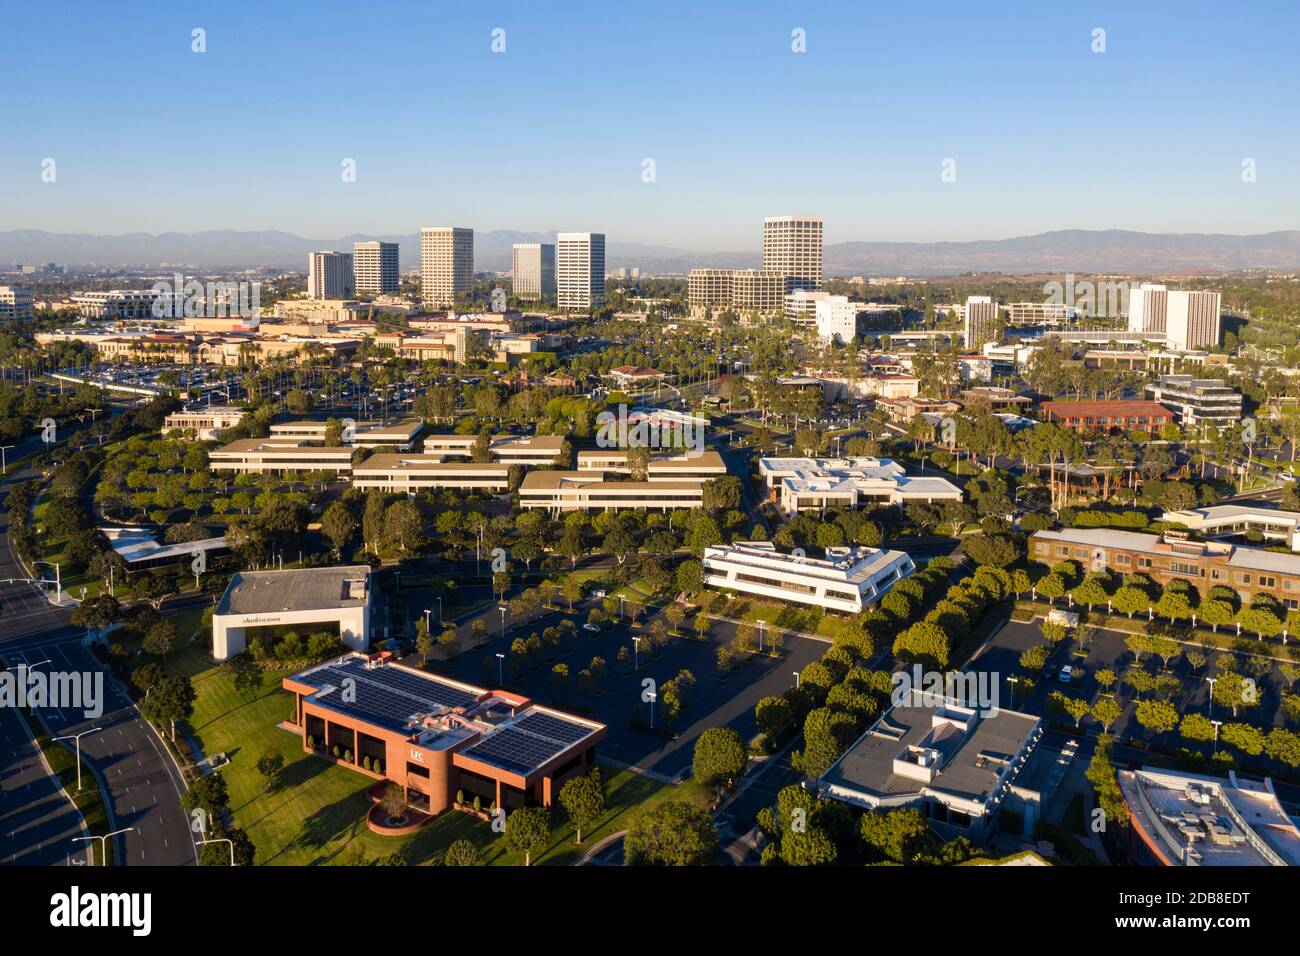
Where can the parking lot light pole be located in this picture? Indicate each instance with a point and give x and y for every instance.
(796, 680)
(1013, 680)
(636, 653)
(1211, 680)
(103, 842)
(502, 609)
(77, 738)
(427, 612)
(3, 464)
(501, 658)
(439, 600)
(1217, 725)
(762, 628)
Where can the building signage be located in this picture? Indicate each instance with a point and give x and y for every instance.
(417, 756)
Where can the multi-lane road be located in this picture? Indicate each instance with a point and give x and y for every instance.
(143, 784)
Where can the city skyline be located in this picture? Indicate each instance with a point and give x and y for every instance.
(1072, 149)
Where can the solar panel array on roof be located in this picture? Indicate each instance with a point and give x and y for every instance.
(527, 744)
(384, 696)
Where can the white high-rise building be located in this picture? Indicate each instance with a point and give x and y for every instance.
(837, 318)
(375, 267)
(1147, 308)
(579, 269)
(532, 270)
(981, 321)
(329, 276)
(1192, 320)
(792, 245)
(446, 264)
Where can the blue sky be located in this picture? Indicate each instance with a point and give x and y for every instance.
(1046, 134)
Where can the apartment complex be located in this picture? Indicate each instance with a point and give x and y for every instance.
(439, 739)
(579, 269)
(330, 276)
(980, 324)
(253, 456)
(792, 246)
(1114, 416)
(532, 271)
(849, 580)
(958, 765)
(1169, 557)
(376, 268)
(446, 264)
(15, 304)
(815, 484)
(1197, 400)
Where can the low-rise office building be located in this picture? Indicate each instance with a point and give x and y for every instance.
(847, 579)
(1186, 819)
(401, 435)
(1230, 521)
(560, 491)
(803, 484)
(140, 550)
(1197, 400)
(411, 473)
(206, 423)
(1169, 557)
(279, 456)
(439, 739)
(959, 766)
(702, 466)
(305, 600)
(1115, 416)
(16, 305)
(536, 450)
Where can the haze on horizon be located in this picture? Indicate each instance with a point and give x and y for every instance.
(1150, 135)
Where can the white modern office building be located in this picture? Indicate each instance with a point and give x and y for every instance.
(376, 268)
(980, 324)
(847, 579)
(701, 466)
(1187, 320)
(15, 304)
(1195, 401)
(804, 484)
(411, 473)
(579, 269)
(305, 600)
(401, 435)
(446, 264)
(279, 456)
(1231, 521)
(792, 246)
(836, 318)
(561, 491)
(330, 276)
(532, 270)
(206, 423)
(116, 304)
(960, 766)
(535, 450)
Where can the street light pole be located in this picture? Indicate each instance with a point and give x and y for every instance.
(3, 464)
(222, 840)
(103, 842)
(502, 609)
(501, 658)
(77, 738)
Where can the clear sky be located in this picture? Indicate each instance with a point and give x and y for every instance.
(551, 134)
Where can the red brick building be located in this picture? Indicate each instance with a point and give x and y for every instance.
(437, 737)
(1117, 416)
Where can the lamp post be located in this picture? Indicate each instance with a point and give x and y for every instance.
(762, 628)
(1013, 680)
(438, 598)
(103, 842)
(3, 465)
(222, 840)
(1217, 725)
(796, 680)
(58, 580)
(502, 609)
(1211, 701)
(31, 709)
(501, 659)
(636, 654)
(652, 698)
(427, 612)
(77, 738)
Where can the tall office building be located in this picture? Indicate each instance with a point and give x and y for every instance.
(792, 245)
(375, 267)
(329, 276)
(446, 264)
(1147, 308)
(532, 270)
(981, 323)
(579, 269)
(1192, 320)
(15, 304)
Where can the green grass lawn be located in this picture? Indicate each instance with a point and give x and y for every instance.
(314, 811)
(51, 549)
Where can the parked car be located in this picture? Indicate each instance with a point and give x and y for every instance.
(590, 627)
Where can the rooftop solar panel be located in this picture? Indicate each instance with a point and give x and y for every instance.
(547, 725)
(387, 696)
(512, 749)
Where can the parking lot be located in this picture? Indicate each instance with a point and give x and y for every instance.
(715, 700)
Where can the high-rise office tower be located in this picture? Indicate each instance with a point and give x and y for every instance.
(329, 276)
(1192, 320)
(446, 264)
(981, 321)
(374, 266)
(579, 269)
(792, 245)
(532, 270)
(1148, 306)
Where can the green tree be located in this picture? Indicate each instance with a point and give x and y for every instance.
(673, 833)
(528, 829)
(583, 800)
(720, 757)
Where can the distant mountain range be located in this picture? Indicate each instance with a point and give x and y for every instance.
(1069, 250)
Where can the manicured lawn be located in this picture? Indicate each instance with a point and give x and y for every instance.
(314, 811)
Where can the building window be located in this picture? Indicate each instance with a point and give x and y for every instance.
(416, 770)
